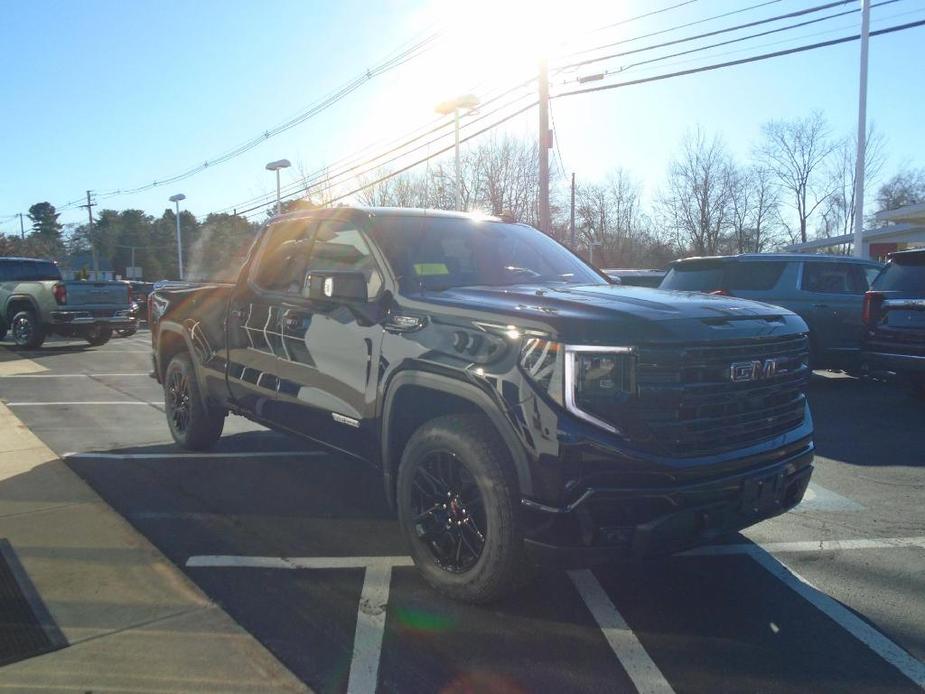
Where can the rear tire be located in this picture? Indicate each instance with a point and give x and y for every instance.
(28, 332)
(443, 526)
(193, 425)
(98, 335)
(126, 332)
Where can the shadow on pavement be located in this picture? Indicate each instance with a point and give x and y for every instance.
(866, 422)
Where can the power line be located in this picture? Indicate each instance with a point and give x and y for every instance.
(739, 39)
(716, 32)
(652, 13)
(706, 68)
(371, 164)
(402, 57)
(741, 61)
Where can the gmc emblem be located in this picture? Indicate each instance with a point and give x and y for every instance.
(742, 371)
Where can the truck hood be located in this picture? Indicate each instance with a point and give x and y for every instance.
(602, 313)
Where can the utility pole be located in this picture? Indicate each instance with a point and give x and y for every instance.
(544, 145)
(96, 262)
(572, 222)
(862, 136)
(22, 229)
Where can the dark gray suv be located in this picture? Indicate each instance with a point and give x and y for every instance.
(827, 291)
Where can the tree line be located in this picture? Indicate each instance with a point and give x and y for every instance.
(796, 184)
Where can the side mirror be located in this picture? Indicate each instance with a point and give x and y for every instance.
(347, 287)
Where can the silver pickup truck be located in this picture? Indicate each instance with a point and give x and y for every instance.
(36, 302)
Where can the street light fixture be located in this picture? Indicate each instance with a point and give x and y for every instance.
(467, 102)
(176, 200)
(276, 166)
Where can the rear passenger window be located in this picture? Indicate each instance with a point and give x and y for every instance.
(835, 278)
(753, 276)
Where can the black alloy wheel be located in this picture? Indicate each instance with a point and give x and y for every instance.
(178, 400)
(450, 516)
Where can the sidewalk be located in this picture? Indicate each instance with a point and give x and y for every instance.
(128, 619)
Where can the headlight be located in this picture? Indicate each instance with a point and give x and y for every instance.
(591, 382)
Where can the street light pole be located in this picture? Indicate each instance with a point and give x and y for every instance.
(176, 200)
(543, 148)
(469, 102)
(862, 136)
(458, 171)
(276, 166)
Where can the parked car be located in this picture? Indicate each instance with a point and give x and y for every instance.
(35, 302)
(894, 315)
(521, 408)
(633, 277)
(826, 291)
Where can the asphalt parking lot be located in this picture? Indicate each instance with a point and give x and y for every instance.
(298, 546)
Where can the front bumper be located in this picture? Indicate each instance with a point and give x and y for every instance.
(604, 524)
(113, 319)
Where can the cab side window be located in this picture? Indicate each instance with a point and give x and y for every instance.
(340, 247)
(835, 278)
(282, 261)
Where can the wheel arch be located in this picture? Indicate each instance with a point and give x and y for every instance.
(19, 302)
(172, 339)
(441, 395)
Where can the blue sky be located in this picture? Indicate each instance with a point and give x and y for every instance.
(104, 95)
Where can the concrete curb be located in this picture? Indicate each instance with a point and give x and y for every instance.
(131, 619)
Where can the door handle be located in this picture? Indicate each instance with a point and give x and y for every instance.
(821, 306)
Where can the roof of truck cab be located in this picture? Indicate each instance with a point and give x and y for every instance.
(907, 252)
(28, 260)
(812, 257)
(384, 212)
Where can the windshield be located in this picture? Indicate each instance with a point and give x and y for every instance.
(694, 277)
(905, 276)
(443, 252)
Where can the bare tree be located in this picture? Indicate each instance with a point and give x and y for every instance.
(754, 209)
(697, 202)
(905, 188)
(795, 152)
(838, 212)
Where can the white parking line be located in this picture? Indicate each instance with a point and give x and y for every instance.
(80, 352)
(238, 562)
(807, 546)
(85, 375)
(818, 498)
(84, 402)
(367, 639)
(89, 455)
(623, 642)
(632, 655)
(845, 618)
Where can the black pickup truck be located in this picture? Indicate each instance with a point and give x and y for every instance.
(894, 316)
(521, 408)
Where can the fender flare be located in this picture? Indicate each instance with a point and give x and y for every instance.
(20, 297)
(465, 391)
(172, 328)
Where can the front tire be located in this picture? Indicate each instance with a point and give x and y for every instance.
(193, 425)
(126, 332)
(98, 335)
(28, 332)
(457, 507)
